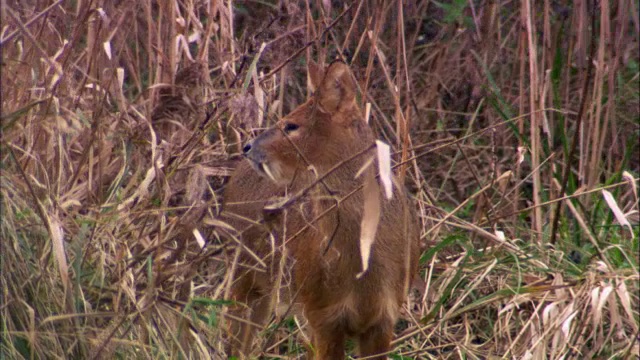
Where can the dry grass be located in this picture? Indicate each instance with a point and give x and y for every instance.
(120, 126)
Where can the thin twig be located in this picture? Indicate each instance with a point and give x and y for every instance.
(309, 43)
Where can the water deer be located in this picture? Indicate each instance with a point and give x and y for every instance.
(314, 155)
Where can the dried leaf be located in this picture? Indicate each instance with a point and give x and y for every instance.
(254, 63)
(521, 152)
(182, 44)
(102, 14)
(60, 51)
(195, 36)
(566, 324)
(625, 299)
(327, 6)
(558, 280)
(549, 314)
(199, 239)
(503, 180)
(57, 243)
(617, 212)
(602, 267)
(602, 301)
(57, 68)
(627, 176)
(107, 48)
(595, 297)
(120, 76)
(367, 112)
(370, 219)
(218, 223)
(384, 164)
(258, 93)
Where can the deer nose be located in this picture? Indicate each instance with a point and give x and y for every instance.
(246, 148)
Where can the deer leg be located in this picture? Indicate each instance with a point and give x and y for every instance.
(248, 316)
(328, 344)
(376, 341)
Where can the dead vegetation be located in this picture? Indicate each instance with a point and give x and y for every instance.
(515, 124)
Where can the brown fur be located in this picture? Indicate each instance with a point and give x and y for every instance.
(336, 304)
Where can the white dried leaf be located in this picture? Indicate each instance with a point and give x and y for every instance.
(500, 235)
(94, 86)
(617, 212)
(370, 219)
(506, 308)
(20, 49)
(60, 51)
(566, 324)
(107, 48)
(199, 238)
(521, 152)
(558, 280)
(57, 243)
(367, 112)
(102, 13)
(549, 314)
(384, 164)
(595, 297)
(327, 6)
(177, 43)
(632, 181)
(625, 299)
(120, 76)
(57, 69)
(602, 301)
(181, 44)
(56, 105)
(195, 36)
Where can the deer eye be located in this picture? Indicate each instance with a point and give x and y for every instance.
(290, 127)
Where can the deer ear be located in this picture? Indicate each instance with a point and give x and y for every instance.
(316, 74)
(337, 90)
